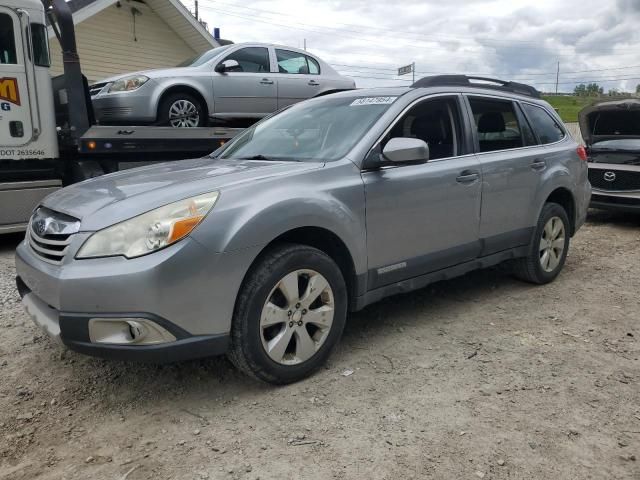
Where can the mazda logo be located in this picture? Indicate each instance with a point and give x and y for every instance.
(609, 176)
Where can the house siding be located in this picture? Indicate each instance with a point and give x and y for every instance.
(107, 47)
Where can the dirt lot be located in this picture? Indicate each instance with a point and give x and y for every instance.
(480, 377)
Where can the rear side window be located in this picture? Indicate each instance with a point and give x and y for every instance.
(543, 124)
(251, 59)
(497, 124)
(293, 62)
(7, 41)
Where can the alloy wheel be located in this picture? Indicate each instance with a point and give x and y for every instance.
(297, 317)
(552, 244)
(184, 114)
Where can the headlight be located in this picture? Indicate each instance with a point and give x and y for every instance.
(128, 84)
(150, 231)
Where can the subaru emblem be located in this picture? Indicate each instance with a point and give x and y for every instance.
(609, 176)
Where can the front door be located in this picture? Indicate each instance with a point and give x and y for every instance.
(16, 127)
(249, 90)
(298, 77)
(423, 218)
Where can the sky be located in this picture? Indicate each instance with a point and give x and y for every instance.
(513, 40)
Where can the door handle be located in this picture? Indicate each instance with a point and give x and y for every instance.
(266, 81)
(313, 83)
(468, 176)
(538, 164)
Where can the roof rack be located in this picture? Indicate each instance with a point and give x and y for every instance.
(482, 82)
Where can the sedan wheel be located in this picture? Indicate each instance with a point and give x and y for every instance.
(184, 114)
(297, 317)
(552, 244)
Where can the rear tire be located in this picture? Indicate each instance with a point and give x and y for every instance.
(548, 249)
(289, 315)
(182, 110)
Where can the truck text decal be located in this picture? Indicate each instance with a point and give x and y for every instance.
(9, 90)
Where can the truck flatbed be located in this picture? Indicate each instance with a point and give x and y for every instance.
(100, 140)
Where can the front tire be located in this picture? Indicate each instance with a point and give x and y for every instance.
(289, 315)
(182, 110)
(549, 247)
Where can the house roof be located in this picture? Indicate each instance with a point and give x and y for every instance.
(173, 12)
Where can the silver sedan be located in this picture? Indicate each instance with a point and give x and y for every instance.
(241, 81)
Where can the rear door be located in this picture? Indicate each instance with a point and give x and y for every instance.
(16, 127)
(298, 77)
(249, 90)
(512, 165)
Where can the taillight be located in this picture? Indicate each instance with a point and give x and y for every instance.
(582, 153)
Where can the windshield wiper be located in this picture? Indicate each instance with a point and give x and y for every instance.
(268, 159)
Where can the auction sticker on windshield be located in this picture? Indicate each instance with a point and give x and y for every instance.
(373, 101)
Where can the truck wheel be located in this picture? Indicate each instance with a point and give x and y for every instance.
(182, 110)
(549, 247)
(289, 314)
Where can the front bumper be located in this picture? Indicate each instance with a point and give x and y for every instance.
(127, 108)
(621, 201)
(72, 330)
(186, 289)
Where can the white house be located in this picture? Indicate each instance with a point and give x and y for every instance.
(119, 36)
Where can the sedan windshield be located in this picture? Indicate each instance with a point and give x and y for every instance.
(203, 58)
(323, 129)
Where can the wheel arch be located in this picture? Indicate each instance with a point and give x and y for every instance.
(563, 197)
(324, 240)
(182, 88)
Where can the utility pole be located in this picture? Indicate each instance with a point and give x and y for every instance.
(557, 77)
(197, 13)
(413, 70)
(305, 44)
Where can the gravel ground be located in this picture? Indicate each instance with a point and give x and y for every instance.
(479, 377)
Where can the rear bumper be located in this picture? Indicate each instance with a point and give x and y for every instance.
(72, 330)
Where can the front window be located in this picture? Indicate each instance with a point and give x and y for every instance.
(251, 60)
(7, 41)
(322, 129)
(40, 45)
(203, 58)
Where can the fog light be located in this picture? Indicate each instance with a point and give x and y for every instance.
(128, 331)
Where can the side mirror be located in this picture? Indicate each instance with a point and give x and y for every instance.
(227, 65)
(403, 149)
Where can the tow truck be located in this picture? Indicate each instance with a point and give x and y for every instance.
(48, 133)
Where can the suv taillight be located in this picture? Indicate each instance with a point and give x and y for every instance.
(582, 153)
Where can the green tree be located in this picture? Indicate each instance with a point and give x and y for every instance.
(638, 88)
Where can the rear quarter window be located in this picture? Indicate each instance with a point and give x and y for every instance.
(544, 125)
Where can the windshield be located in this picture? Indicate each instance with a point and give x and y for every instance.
(203, 58)
(322, 129)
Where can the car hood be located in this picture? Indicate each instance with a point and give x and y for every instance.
(603, 120)
(157, 73)
(109, 199)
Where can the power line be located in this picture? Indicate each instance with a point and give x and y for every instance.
(358, 35)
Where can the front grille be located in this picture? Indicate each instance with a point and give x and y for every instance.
(50, 233)
(624, 180)
(96, 89)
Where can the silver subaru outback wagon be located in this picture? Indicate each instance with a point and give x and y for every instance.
(260, 250)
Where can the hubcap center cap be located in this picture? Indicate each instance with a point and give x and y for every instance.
(297, 316)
